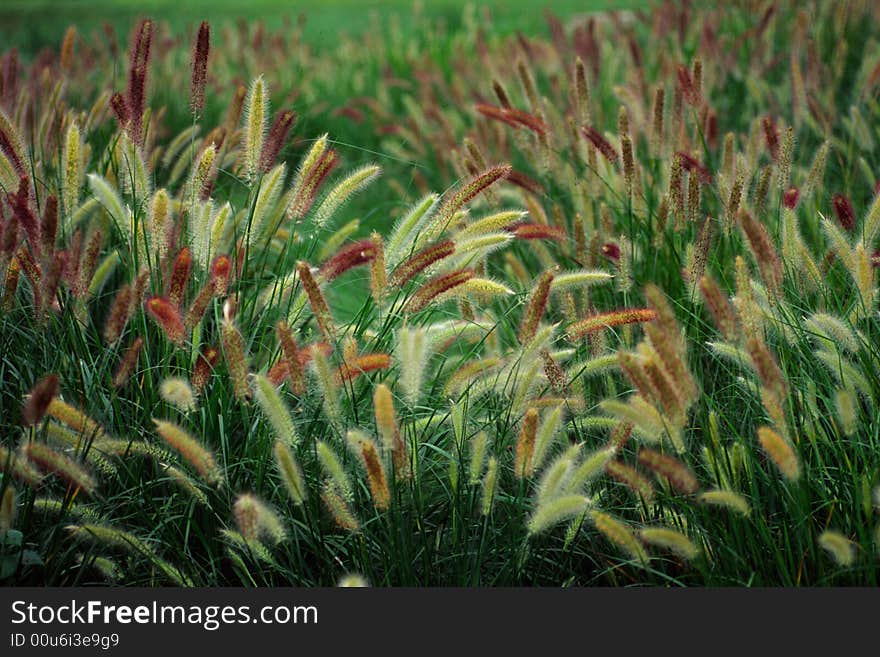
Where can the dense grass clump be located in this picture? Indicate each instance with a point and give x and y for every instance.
(598, 308)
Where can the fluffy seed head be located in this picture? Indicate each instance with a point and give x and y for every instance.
(631, 478)
(276, 139)
(256, 520)
(668, 467)
(342, 514)
(670, 539)
(600, 143)
(329, 386)
(290, 355)
(256, 115)
(555, 510)
(619, 534)
(780, 452)
(602, 321)
(490, 483)
(49, 460)
(71, 168)
(37, 402)
(127, 363)
(203, 367)
(525, 445)
(535, 307)
(167, 316)
(420, 261)
(177, 392)
(7, 508)
(200, 67)
(369, 454)
(275, 410)
(191, 450)
(120, 312)
(839, 547)
(317, 301)
(727, 499)
(236, 359)
(290, 472)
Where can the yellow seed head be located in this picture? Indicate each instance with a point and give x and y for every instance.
(490, 482)
(177, 392)
(841, 549)
(342, 514)
(780, 452)
(192, 451)
(670, 539)
(290, 472)
(555, 511)
(618, 533)
(71, 169)
(275, 410)
(525, 446)
(256, 115)
(727, 499)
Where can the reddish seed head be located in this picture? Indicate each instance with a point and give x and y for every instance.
(120, 313)
(10, 238)
(203, 368)
(38, 400)
(139, 57)
(349, 371)
(167, 317)
(514, 118)
(526, 231)
(670, 468)
(88, 262)
(686, 83)
(220, 274)
(692, 164)
(312, 182)
(358, 253)
(317, 301)
(127, 363)
(350, 112)
(179, 276)
(611, 250)
(535, 309)
(54, 270)
(522, 180)
(34, 274)
(601, 144)
(200, 67)
(844, 212)
(790, 198)
(420, 261)
(601, 321)
(7, 147)
(771, 136)
(49, 225)
(290, 359)
(497, 113)
(276, 139)
(21, 208)
(435, 287)
(120, 109)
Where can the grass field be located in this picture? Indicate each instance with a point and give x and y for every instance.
(440, 296)
(33, 24)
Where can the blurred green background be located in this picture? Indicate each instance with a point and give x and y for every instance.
(30, 25)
